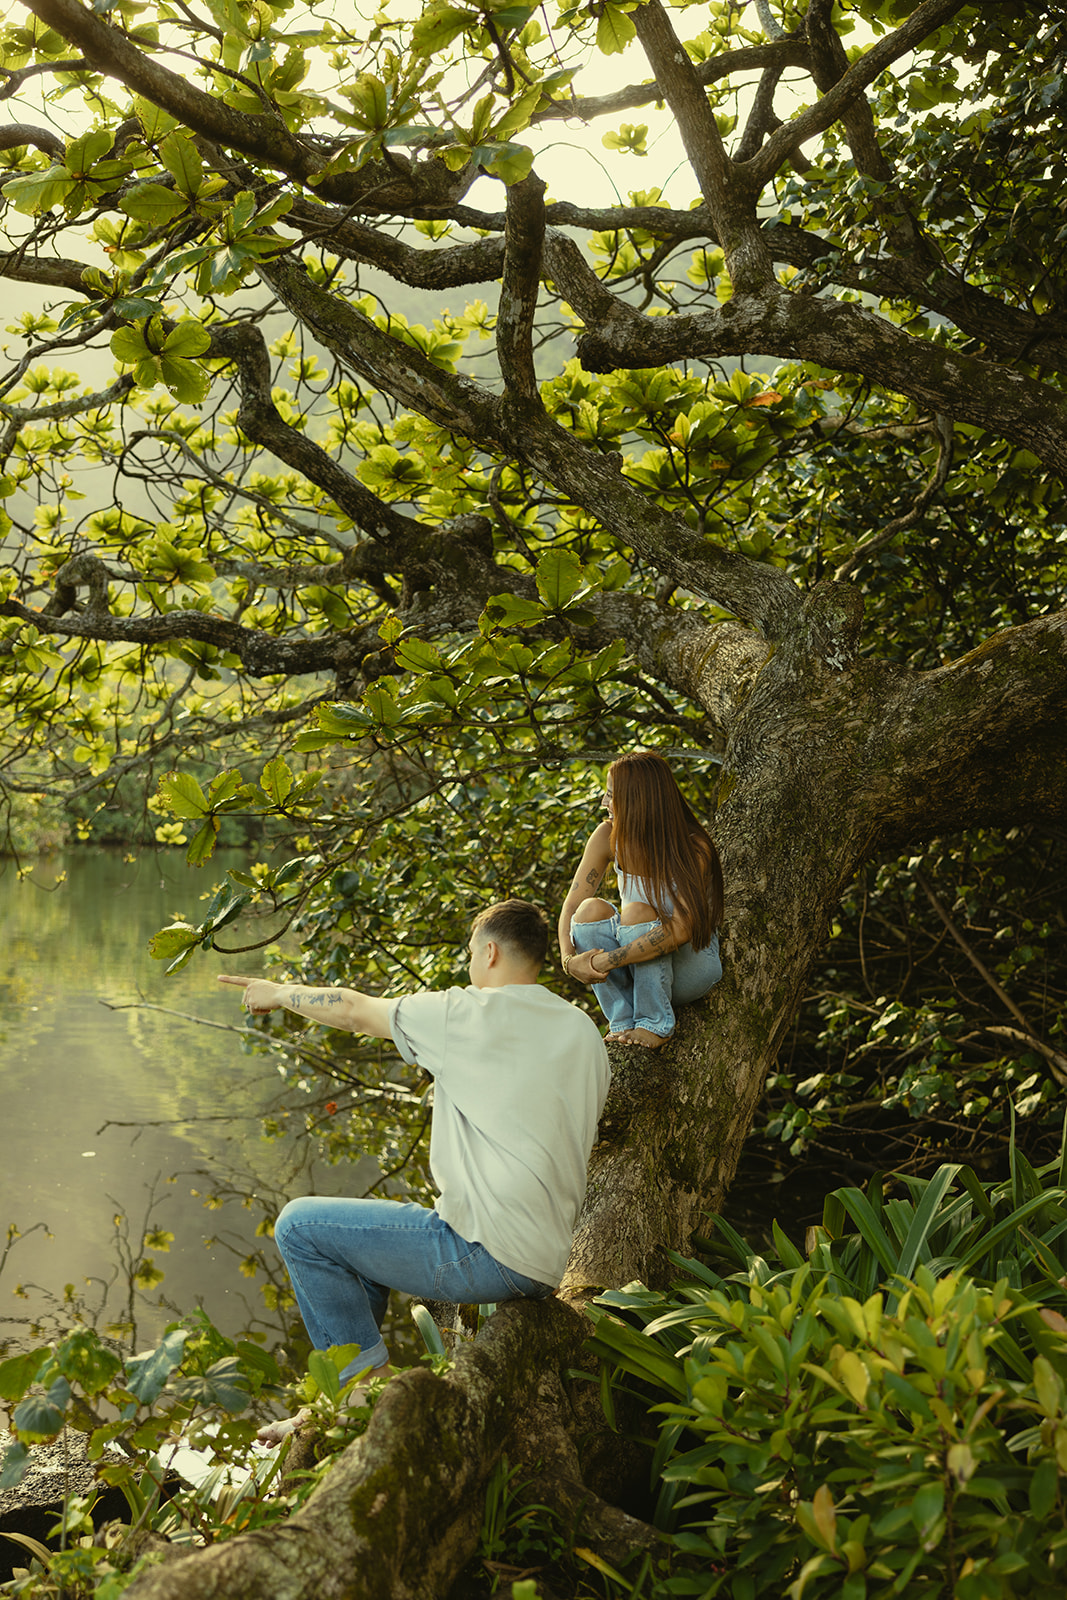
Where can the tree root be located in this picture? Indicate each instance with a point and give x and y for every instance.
(399, 1514)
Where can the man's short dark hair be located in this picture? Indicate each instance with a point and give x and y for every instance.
(522, 927)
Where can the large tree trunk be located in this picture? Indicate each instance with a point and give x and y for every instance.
(830, 757)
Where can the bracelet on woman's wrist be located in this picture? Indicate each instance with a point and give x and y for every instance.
(565, 961)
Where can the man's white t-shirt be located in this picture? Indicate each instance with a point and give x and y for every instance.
(521, 1077)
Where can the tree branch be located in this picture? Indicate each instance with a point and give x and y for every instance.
(779, 54)
(724, 186)
(264, 138)
(926, 17)
(377, 1530)
(833, 333)
(998, 752)
(523, 245)
(480, 262)
(934, 484)
(1057, 1062)
(15, 134)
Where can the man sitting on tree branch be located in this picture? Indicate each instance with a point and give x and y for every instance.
(521, 1076)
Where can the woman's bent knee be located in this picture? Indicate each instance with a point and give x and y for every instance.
(593, 911)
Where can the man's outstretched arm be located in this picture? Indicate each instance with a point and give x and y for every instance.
(337, 1008)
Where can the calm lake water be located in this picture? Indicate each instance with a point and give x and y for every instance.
(101, 1105)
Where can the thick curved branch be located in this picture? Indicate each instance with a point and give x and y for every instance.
(724, 186)
(14, 80)
(1011, 333)
(980, 742)
(829, 63)
(761, 117)
(755, 592)
(264, 138)
(378, 1529)
(69, 408)
(523, 244)
(50, 274)
(833, 333)
(927, 16)
(15, 134)
(259, 418)
(455, 267)
(933, 485)
(260, 653)
(776, 56)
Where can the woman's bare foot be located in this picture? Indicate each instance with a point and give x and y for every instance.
(617, 1038)
(651, 1041)
(273, 1433)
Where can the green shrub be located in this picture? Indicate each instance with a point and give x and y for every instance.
(888, 1417)
(816, 1445)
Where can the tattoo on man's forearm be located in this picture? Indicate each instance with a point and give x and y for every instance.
(323, 997)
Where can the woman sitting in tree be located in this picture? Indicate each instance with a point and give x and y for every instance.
(661, 948)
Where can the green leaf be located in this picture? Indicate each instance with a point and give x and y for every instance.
(925, 1220)
(187, 338)
(40, 1551)
(202, 844)
(187, 383)
(276, 780)
(511, 610)
(18, 1372)
(36, 1419)
(415, 655)
(146, 1375)
(223, 1384)
(859, 1208)
(153, 204)
(39, 191)
(1044, 1489)
(182, 160)
(325, 1374)
(182, 795)
(155, 122)
(431, 1333)
(177, 936)
(85, 1361)
(614, 31)
(127, 344)
(17, 1461)
(438, 26)
(559, 577)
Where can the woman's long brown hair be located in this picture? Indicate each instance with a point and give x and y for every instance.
(656, 837)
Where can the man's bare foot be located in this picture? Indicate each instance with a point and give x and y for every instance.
(651, 1041)
(273, 1433)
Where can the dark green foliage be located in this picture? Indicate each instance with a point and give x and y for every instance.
(886, 1417)
(924, 1024)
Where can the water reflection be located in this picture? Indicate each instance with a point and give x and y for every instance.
(101, 1105)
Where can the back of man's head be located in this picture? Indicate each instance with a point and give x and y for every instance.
(521, 928)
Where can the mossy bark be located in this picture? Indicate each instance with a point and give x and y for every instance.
(400, 1510)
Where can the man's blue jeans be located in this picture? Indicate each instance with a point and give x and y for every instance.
(343, 1257)
(643, 994)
